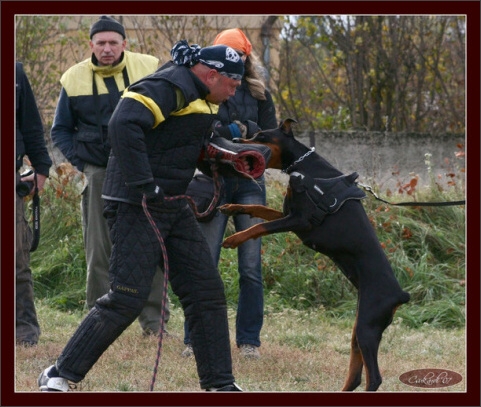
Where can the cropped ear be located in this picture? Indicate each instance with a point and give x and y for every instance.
(286, 126)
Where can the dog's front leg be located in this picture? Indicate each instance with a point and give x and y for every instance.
(255, 211)
(240, 237)
(287, 224)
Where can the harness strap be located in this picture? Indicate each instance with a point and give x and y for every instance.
(327, 195)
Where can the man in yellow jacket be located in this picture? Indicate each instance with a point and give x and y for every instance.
(90, 92)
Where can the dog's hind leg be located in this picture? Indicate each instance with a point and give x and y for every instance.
(354, 375)
(375, 314)
(369, 340)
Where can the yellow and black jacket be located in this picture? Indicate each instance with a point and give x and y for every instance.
(87, 100)
(157, 133)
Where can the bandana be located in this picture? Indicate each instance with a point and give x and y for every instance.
(223, 59)
(234, 38)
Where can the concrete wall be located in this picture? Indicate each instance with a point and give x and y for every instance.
(386, 159)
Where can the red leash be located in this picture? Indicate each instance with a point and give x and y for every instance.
(215, 199)
(212, 206)
(165, 287)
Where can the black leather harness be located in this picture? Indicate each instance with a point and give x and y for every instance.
(328, 195)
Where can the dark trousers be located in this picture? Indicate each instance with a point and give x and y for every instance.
(136, 253)
(27, 330)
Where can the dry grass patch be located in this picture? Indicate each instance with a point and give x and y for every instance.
(301, 352)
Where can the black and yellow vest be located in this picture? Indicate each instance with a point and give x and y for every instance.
(94, 92)
(173, 145)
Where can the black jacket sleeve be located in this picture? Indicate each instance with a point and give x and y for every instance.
(64, 129)
(29, 127)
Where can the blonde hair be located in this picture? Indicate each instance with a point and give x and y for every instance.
(253, 76)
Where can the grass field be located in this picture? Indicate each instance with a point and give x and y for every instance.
(302, 351)
(309, 306)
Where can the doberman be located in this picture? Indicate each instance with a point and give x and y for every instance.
(322, 207)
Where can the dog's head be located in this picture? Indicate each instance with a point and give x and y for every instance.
(279, 140)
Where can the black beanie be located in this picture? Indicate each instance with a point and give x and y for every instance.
(107, 24)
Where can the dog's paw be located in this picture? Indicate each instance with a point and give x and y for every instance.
(231, 209)
(230, 242)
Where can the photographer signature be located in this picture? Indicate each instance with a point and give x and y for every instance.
(430, 378)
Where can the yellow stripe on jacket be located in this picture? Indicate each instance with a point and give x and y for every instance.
(196, 106)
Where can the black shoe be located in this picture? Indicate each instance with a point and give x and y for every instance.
(27, 344)
(229, 387)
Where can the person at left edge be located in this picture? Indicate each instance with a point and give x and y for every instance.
(30, 142)
(90, 91)
(157, 133)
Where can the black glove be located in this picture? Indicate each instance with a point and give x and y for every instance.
(233, 131)
(219, 130)
(152, 192)
(252, 128)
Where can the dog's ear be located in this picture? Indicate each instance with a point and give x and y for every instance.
(286, 126)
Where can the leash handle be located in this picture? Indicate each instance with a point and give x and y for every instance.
(368, 188)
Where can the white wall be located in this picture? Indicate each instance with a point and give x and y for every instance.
(377, 156)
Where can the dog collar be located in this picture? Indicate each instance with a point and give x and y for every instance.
(299, 160)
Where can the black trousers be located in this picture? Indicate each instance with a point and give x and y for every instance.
(193, 276)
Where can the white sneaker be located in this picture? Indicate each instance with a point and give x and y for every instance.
(229, 387)
(47, 383)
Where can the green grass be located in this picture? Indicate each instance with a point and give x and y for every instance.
(309, 304)
(425, 245)
(59, 265)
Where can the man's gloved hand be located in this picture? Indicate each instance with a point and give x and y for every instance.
(219, 130)
(252, 128)
(153, 193)
(237, 129)
(243, 130)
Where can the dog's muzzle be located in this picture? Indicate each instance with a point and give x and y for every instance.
(242, 160)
